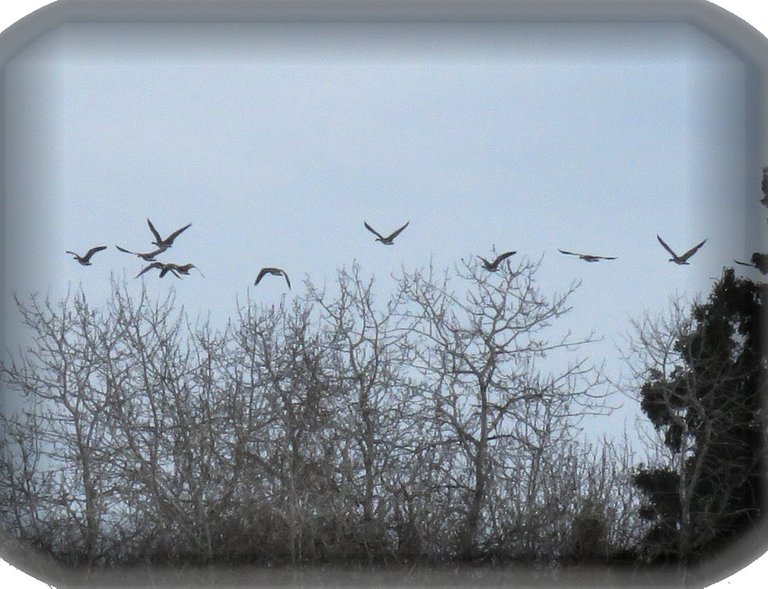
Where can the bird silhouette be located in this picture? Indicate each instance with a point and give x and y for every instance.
(759, 261)
(274, 272)
(389, 239)
(587, 257)
(148, 257)
(184, 269)
(168, 241)
(683, 259)
(86, 259)
(494, 266)
(164, 269)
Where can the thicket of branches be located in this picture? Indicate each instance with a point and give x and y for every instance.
(433, 425)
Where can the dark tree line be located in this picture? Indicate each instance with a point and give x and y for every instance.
(434, 426)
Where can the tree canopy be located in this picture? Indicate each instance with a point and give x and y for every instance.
(331, 428)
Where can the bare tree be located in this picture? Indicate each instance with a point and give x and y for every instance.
(284, 374)
(368, 353)
(441, 422)
(126, 428)
(63, 438)
(478, 351)
(172, 410)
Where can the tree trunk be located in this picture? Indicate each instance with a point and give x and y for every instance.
(469, 543)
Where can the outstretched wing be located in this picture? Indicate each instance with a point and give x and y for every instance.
(73, 253)
(372, 230)
(666, 247)
(93, 250)
(604, 257)
(284, 273)
(154, 231)
(486, 262)
(567, 253)
(261, 275)
(151, 255)
(692, 251)
(396, 233)
(176, 233)
(150, 267)
(744, 264)
(503, 257)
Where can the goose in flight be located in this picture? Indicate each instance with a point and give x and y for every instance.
(587, 257)
(683, 259)
(148, 257)
(274, 272)
(168, 241)
(164, 269)
(184, 269)
(759, 261)
(86, 259)
(389, 239)
(494, 266)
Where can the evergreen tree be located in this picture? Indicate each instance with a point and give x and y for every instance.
(708, 408)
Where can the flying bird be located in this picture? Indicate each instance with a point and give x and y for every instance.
(86, 259)
(274, 272)
(587, 257)
(148, 257)
(389, 239)
(184, 269)
(494, 266)
(164, 269)
(759, 261)
(683, 259)
(168, 241)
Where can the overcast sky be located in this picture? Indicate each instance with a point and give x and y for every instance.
(30, 197)
(277, 141)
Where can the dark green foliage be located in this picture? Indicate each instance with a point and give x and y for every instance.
(710, 413)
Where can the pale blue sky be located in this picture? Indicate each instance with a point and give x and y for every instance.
(277, 141)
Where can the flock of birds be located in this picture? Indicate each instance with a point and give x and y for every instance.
(759, 261)
(161, 246)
